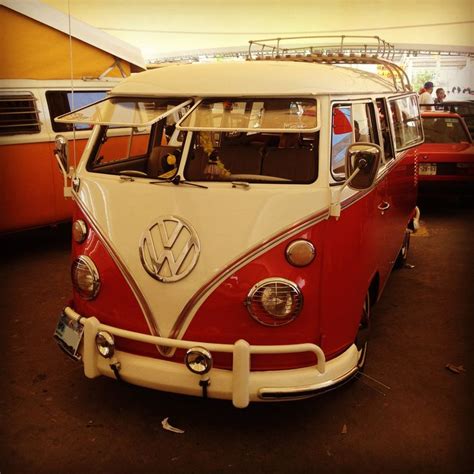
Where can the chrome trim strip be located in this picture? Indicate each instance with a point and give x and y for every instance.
(241, 260)
(292, 393)
(147, 313)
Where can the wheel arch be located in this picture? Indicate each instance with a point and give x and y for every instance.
(374, 288)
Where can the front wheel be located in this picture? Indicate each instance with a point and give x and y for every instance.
(362, 337)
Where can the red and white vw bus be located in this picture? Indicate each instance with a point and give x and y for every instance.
(236, 254)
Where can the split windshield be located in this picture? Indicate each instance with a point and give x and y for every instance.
(251, 140)
(271, 115)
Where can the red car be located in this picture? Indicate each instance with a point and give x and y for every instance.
(447, 155)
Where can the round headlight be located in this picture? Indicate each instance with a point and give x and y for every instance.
(274, 302)
(79, 231)
(85, 277)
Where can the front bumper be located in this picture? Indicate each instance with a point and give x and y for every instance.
(241, 385)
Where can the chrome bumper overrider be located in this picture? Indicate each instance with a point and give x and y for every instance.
(240, 384)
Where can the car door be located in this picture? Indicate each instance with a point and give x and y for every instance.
(401, 185)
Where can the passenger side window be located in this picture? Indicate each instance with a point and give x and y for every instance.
(385, 129)
(350, 124)
(407, 122)
(341, 139)
(363, 126)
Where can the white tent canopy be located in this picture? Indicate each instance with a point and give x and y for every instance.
(161, 27)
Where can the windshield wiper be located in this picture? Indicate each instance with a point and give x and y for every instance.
(177, 180)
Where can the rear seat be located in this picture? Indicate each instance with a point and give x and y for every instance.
(238, 159)
(296, 164)
(242, 159)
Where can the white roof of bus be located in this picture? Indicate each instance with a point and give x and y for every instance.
(252, 78)
(78, 84)
(82, 31)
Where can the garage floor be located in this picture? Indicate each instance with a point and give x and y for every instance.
(414, 419)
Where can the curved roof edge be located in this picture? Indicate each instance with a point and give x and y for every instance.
(252, 78)
(82, 31)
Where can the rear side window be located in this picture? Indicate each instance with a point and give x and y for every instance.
(406, 122)
(62, 102)
(19, 114)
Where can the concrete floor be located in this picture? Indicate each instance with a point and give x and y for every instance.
(54, 420)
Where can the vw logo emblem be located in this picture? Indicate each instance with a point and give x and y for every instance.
(169, 249)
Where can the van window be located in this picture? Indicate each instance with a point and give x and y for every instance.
(271, 115)
(350, 123)
(444, 130)
(253, 157)
(61, 102)
(342, 138)
(387, 146)
(148, 151)
(406, 121)
(19, 114)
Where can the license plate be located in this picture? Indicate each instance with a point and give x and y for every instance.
(427, 169)
(68, 335)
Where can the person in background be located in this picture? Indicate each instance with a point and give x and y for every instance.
(425, 93)
(439, 99)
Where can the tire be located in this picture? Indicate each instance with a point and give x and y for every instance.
(362, 338)
(403, 254)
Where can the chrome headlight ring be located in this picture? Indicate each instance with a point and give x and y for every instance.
(274, 301)
(85, 277)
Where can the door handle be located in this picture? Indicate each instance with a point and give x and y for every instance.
(383, 206)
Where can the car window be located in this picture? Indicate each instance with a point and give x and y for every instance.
(350, 123)
(444, 130)
(253, 157)
(61, 102)
(406, 122)
(387, 146)
(152, 151)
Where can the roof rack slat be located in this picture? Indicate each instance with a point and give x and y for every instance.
(359, 50)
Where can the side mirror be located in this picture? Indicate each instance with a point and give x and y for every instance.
(61, 151)
(362, 164)
(61, 155)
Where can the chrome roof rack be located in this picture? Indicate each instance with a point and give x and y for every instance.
(339, 49)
